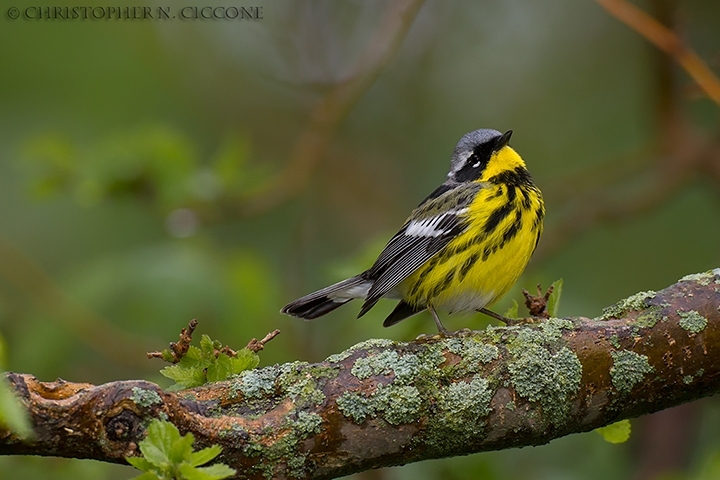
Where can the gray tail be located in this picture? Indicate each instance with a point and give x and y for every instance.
(319, 303)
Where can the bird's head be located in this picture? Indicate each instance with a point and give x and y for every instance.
(482, 155)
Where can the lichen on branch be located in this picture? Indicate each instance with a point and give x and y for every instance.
(383, 403)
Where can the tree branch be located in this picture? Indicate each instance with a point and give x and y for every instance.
(384, 403)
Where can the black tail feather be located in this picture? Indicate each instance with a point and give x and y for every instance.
(312, 308)
(319, 303)
(401, 312)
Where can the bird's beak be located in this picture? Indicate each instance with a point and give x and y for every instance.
(503, 140)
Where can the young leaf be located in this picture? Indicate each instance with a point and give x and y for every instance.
(512, 312)
(220, 369)
(246, 359)
(214, 472)
(205, 455)
(169, 456)
(182, 449)
(554, 301)
(207, 346)
(140, 463)
(618, 432)
(185, 377)
(149, 476)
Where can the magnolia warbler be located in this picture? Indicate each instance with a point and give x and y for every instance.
(461, 249)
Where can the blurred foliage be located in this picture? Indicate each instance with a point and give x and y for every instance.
(12, 413)
(130, 148)
(618, 432)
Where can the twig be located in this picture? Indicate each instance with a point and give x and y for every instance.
(178, 349)
(667, 41)
(332, 110)
(257, 345)
(537, 304)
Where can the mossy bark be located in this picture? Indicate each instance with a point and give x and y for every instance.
(384, 403)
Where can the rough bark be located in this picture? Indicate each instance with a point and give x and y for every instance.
(384, 403)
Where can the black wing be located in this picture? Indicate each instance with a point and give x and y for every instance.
(430, 227)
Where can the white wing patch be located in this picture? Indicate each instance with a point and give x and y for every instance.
(429, 227)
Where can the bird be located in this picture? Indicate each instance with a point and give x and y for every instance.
(460, 250)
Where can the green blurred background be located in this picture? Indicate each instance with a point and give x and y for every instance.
(153, 171)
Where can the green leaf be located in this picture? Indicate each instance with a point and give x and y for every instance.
(204, 455)
(220, 369)
(167, 355)
(246, 359)
(12, 411)
(554, 301)
(512, 312)
(214, 472)
(207, 346)
(182, 449)
(166, 454)
(618, 432)
(218, 471)
(140, 463)
(150, 476)
(185, 377)
(156, 447)
(193, 354)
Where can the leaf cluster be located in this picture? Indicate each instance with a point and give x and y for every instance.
(166, 455)
(210, 363)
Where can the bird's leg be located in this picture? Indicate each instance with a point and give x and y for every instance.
(441, 328)
(507, 321)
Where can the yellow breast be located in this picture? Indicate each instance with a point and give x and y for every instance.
(482, 263)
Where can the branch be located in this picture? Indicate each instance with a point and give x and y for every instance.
(327, 116)
(667, 41)
(384, 403)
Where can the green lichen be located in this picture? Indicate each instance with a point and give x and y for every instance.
(299, 380)
(703, 279)
(464, 402)
(256, 383)
(545, 333)
(459, 413)
(356, 406)
(510, 406)
(629, 368)
(398, 404)
(688, 379)
(553, 327)
(431, 357)
(614, 341)
(339, 357)
(650, 317)
(546, 378)
(372, 343)
(307, 423)
(144, 397)
(297, 466)
(395, 404)
(404, 367)
(472, 352)
(692, 321)
(632, 303)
